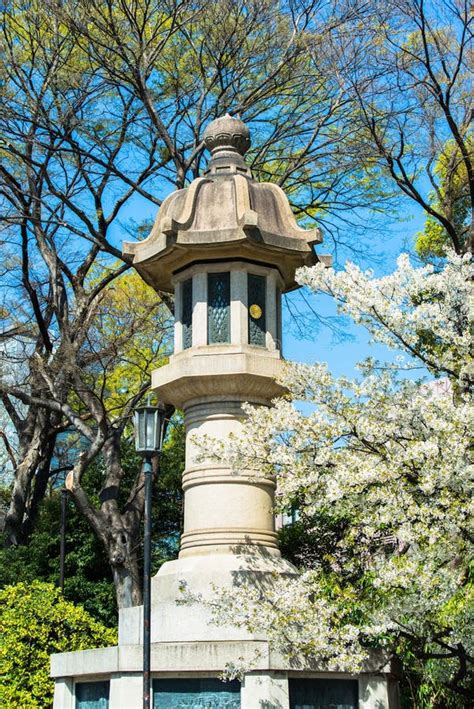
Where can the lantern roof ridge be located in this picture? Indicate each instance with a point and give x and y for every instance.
(224, 214)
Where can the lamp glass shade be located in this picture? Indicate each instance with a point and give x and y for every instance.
(149, 428)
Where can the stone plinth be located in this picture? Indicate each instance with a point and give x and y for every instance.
(265, 687)
(174, 621)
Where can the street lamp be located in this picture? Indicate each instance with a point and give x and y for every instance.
(62, 538)
(150, 427)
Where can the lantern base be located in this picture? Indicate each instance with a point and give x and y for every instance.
(272, 682)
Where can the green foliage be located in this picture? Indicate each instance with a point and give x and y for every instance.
(88, 579)
(308, 541)
(132, 328)
(432, 241)
(36, 621)
(451, 201)
(168, 498)
(421, 686)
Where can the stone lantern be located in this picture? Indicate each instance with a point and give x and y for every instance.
(228, 248)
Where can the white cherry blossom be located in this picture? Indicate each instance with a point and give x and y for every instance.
(387, 461)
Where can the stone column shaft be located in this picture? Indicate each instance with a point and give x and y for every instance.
(223, 511)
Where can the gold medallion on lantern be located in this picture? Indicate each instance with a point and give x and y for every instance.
(255, 311)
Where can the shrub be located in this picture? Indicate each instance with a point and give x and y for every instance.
(36, 621)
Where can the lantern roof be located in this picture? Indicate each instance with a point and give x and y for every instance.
(223, 215)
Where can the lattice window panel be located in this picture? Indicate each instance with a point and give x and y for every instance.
(257, 320)
(279, 342)
(187, 313)
(218, 307)
(92, 695)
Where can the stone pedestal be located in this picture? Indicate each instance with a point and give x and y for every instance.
(174, 621)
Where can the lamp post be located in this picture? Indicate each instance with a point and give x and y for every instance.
(62, 537)
(150, 427)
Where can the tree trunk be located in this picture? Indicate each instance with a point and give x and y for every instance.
(34, 450)
(121, 546)
(38, 492)
(128, 586)
(120, 539)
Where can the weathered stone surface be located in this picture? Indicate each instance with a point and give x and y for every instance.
(210, 657)
(220, 370)
(223, 215)
(227, 134)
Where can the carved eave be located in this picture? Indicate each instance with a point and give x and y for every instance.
(223, 217)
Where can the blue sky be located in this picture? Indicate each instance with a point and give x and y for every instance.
(342, 355)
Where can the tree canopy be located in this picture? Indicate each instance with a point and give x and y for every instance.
(104, 110)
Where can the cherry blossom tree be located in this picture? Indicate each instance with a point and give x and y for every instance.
(380, 474)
